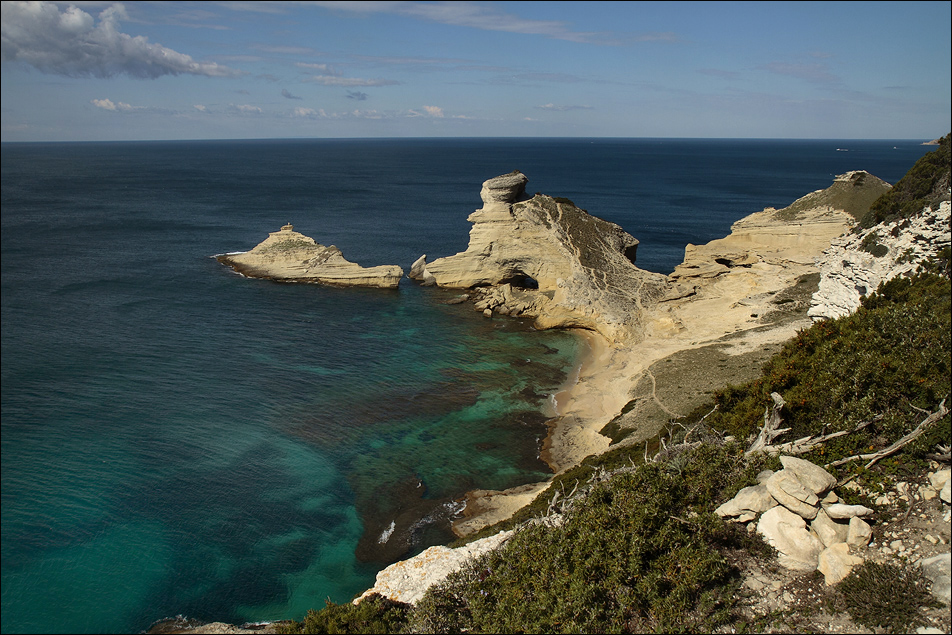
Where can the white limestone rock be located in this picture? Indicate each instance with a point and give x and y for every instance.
(811, 475)
(859, 533)
(507, 188)
(790, 492)
(938, 569)
(836, 562)
(407, 580)
(828, 531)
(289, 256)
(749, 501)
(843, 511)
(848, 272)
(787, 533)
(567, 268)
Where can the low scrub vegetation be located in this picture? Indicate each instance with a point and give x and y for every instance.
(927, 183)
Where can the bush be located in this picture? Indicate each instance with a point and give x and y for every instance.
(926, 183)
(639, 552)
(375, 614)
(889, 358)
(885, 596)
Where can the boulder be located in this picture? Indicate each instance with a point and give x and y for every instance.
(790, 492)
(842, 511)
(507, 188)
(859, 533)
(829, 532)
(750, 501)
(787, 533)
(836, 562)
(811, 475)
(407, 580)
(938, 569)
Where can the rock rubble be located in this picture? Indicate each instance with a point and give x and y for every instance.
(856, 263)
(836, 538)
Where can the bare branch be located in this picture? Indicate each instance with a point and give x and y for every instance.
(927, 423)
(771, 428)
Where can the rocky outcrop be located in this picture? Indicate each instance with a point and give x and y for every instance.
(289, 256)
(407, 580)
(547, 259)
(856, 263)
(801, 492)
(793, 234)
(738, 282)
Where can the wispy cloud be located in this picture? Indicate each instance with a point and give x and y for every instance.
(118, 106)
(287, 94)
(556, 108)
(717, 72)
(74, 44)
(814, 73)
(356, 94)
(488, 17)
(334, 80)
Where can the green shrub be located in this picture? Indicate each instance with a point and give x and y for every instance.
(926, 183)
(640, 552)
(889, 358)
(885, 596)
(375, 614)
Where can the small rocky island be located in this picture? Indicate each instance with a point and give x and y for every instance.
(289, 256)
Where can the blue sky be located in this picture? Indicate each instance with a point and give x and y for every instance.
(213, 70)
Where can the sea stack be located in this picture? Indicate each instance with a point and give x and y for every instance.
(545, 258)
(289, 256)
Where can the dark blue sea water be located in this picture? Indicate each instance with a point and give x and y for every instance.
(177, 439)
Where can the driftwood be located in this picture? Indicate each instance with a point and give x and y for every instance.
(771, 428)
(804, 445)
(872, 457)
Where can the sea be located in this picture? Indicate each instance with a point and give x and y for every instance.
(178, 440)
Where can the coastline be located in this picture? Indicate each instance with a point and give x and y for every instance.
(722, 332)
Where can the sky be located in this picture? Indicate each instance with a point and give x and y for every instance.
(106, 71)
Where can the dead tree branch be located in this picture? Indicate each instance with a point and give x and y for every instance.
(927, 423)
(771, 428)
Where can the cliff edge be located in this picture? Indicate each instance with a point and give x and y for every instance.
(543, 257)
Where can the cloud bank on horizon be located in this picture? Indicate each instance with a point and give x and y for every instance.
(199, 70)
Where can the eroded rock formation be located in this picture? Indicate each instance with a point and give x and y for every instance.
(856, 263)
(547, 259)
(289, 256)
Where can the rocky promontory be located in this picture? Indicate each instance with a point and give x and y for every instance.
(543, 257)
(289, 256)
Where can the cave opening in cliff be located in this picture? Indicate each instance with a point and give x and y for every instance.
(520, 280)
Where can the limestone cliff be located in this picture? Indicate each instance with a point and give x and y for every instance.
(289, 256)
(731, 283)
(856, 263)
(545, 258)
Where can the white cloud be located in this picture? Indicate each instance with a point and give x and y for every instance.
(314, 66)
(119, 106)
(433, 111)
(200, 107)
(309, 112)
(245, 108)
(72, 43)
(556, 108)
(334, 80)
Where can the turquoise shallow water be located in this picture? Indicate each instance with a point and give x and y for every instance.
(180, 440)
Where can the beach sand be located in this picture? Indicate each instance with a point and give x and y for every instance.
(640, 387)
